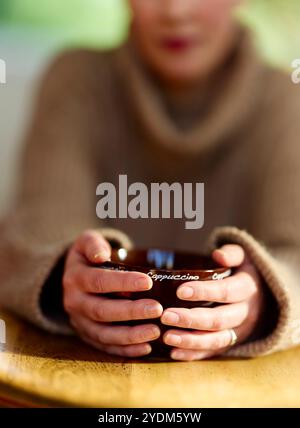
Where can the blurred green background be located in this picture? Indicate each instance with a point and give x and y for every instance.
(32, 31)
(104, 22)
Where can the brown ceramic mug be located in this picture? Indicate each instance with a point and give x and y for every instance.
(168, 269)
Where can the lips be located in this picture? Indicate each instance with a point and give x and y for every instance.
(177, 44)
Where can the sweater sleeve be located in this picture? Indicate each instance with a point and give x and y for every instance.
(280, 271)
(271, 235)
(56, 198)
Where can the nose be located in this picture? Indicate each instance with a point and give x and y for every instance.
(176, 10)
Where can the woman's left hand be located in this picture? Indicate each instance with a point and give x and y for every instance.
(243, 293)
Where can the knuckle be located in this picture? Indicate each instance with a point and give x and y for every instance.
(189, 342)
(133, 310)
(201, 292)
(125, 281)
(189, 321)
(132, 337)
(200, 319)
(217, 322)
(192, 318)
(98, 282)
(137, 336)
(225, 293)
(129, 310)
(97, 311)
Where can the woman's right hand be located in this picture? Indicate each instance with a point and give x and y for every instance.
(91, 313)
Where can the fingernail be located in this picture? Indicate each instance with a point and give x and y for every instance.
(142, 283)
(147, 349)
(151, 310)
(185, 292)
(177, 355)
(102, 255)
(170, 318)
(173, 339)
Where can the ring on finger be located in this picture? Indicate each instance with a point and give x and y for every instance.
(233, 336)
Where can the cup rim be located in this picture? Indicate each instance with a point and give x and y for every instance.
(141, 268)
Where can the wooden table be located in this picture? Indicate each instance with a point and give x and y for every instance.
(39, 369)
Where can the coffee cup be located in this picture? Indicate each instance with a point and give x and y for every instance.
(168, 269)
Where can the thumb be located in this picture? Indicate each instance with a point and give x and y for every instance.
(229, 255)
(94, 246)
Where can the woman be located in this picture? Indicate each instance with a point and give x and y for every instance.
(185, 100)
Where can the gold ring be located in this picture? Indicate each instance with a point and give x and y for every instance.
(233, 337)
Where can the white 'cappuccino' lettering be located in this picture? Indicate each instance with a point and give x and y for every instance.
(188, 277)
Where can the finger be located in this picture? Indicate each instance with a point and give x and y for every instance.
(103, 309)
(198, 340)
(192, 355)
(98, 280)
(93, 246)
(229, 255)
(212, 319)
(114, 334)
(236, 288)
(129, 351)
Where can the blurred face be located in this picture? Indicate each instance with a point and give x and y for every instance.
(183, 40)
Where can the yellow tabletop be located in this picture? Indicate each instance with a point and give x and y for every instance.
(37, 368)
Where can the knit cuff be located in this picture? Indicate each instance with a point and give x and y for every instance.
(25, 293)
(278, 278)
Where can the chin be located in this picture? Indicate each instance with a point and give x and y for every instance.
(183, 75)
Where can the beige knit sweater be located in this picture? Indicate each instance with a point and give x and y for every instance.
(99, 115)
